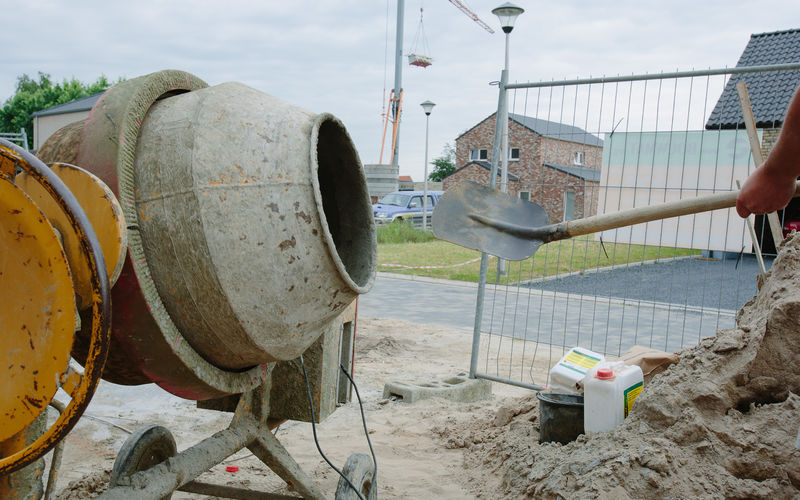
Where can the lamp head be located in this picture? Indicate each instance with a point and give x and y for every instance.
(508, 13)
(427, 106)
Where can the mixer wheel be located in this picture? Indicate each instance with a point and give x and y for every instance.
(145, 448)
(359, 470)
(46, 343)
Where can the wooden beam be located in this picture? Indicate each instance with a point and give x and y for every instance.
(758, 155)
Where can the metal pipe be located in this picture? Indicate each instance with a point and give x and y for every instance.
(476, 330)
(270, 451)
(498, 130)
(398, 81)
(425, 179)
(55, 461)
(504, 136)
(658, 76)
(501, 263)
(222, 491)
(532, 387)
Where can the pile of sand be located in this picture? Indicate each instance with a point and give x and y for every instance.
(720, 423)
(88, 486)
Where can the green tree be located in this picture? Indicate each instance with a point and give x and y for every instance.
(32, 95)
(443, 165)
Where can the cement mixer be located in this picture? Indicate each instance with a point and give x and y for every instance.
(244, 236)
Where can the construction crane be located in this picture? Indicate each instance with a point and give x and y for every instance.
(396, 94)
(463, 8)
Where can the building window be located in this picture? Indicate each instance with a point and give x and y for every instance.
(478, 154)
(579, 158)
(513, 154)
(525, 195)
(569, 205)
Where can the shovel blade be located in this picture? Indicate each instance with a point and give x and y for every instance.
(451, 220)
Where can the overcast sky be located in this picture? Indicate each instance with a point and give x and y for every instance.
(338, 56)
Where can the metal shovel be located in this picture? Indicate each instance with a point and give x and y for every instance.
(475, 216)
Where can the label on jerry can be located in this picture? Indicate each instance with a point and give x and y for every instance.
(630, 395)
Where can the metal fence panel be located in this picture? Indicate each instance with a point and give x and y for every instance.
(601, 145)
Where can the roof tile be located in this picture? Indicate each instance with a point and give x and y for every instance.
(770, 92)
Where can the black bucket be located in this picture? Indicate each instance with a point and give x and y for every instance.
(560, 417)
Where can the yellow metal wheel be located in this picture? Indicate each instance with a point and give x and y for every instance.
(104, 212)
(38, 289)
(37, 310)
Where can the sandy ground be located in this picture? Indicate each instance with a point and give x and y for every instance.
(412, 461)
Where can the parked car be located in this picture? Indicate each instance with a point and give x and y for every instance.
(401, 205)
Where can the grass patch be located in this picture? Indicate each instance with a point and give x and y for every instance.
(577, 254)
(403, 232)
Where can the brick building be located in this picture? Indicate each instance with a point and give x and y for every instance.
(552, 164)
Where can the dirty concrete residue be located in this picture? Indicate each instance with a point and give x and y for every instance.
(87, 487)
(285, 244)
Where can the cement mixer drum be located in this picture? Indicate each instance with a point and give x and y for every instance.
(249, 228)
(254, 223)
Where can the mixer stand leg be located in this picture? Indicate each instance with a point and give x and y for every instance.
(250, 428)
(270, 451)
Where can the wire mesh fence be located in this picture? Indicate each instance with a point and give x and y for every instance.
(593, 146)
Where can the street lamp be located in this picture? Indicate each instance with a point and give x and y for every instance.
(427, 107)
(507, 13)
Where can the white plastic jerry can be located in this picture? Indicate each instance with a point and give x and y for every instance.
(609, 395)
(572, 368)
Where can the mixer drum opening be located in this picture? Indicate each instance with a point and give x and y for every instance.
(345, 204)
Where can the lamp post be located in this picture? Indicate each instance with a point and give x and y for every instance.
(507, 13)
(427, 106)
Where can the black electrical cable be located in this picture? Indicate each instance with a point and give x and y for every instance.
(364, 422)
(314, 431)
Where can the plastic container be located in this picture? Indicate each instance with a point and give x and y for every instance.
(609, 392)
(572, 368)
(560, 417)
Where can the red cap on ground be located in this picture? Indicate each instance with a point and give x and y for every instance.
(231, 468)
(605, 373)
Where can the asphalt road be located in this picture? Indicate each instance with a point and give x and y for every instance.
(666, 305)
(420, 301)
(707, 283)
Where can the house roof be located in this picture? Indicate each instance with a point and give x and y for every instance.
(589, 174)
(483, 164)
(557, 130)
(82, 104)
(586, 173)
(550, 129)
(770, 92)
(405, 178)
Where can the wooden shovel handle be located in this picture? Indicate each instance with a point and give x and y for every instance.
(633, 216)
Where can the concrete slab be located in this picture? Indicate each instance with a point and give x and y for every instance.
(458, 387)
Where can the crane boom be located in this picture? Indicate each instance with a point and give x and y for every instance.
(463, 8)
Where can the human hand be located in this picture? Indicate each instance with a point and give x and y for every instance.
(764, 192)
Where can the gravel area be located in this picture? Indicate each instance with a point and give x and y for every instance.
(701, 282)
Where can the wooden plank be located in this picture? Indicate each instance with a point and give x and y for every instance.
(758, 155)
